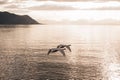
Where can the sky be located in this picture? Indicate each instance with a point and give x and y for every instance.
(64, 10)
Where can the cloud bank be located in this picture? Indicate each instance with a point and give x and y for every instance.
(60, 4)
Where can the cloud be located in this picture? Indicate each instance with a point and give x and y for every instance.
(54, 5)
(106, 8)
(111, 5)
(61, 4)
(78, 0)
(11, 6)
(51, 7)
(65, 0)
(3, 1)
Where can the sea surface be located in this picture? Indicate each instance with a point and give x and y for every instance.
(95, 52)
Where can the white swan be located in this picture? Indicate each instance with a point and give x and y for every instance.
(57, 49)
(63, 46)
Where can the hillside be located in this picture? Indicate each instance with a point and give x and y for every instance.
(10, 18)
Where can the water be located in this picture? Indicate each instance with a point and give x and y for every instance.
(94, 56)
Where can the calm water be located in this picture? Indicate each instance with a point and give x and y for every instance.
(94, 56)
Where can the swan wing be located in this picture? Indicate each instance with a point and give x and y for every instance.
(49, 52)
(68, 47)
(62, 51)
(58, 46)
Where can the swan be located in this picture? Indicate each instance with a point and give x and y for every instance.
(63, 46)
(52, 50)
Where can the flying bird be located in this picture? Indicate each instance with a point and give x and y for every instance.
(63, 46)
(53, 50)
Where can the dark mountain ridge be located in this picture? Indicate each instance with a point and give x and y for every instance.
(10, 18)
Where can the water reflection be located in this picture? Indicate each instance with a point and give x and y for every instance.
(73, 56)
(111, 62)
(23, 53)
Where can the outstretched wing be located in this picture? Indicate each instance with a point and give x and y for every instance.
(62, 51)
(49, 52)
(58, 46)
(68, 47)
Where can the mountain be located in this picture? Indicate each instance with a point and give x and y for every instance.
(10, 18)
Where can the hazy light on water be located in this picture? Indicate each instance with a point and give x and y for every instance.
(114, 72)
(72, 57)
(111, 62)
(105, 36)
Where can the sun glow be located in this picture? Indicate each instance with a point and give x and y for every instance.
(76, 15)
